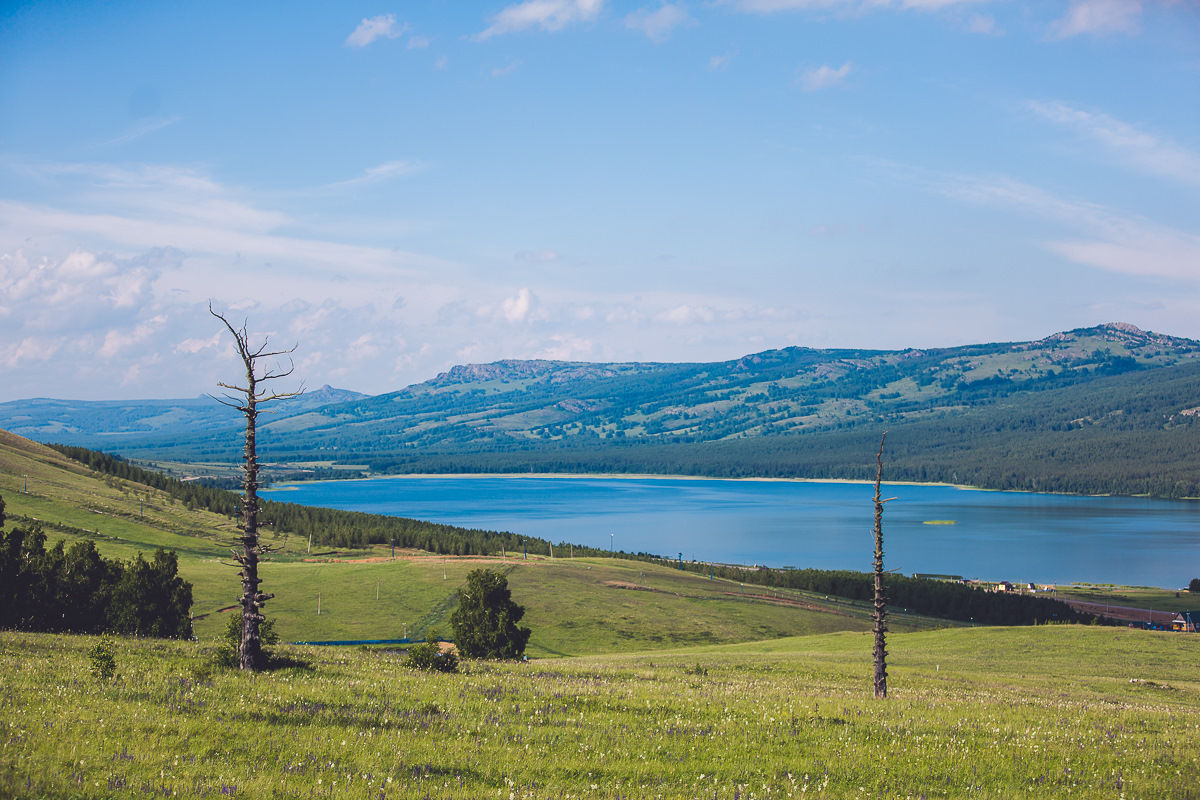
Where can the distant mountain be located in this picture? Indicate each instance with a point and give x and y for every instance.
(93, 422)
(1109, 408)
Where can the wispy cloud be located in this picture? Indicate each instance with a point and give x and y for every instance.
(418, 42)
(383, 172)
(507, 69)
(144, 129)
(1098, 17)
(823, 77)
(659, 24)
(1142, 150)
(984, 24)
(537, 256)
(371, 29)
(721, 62)
(546, 15)
(1107, 240)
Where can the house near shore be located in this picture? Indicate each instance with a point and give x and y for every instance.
(1186, 621)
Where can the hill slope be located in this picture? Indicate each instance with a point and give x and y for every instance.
(574, 606)
(1105, 409)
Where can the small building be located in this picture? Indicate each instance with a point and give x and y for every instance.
(1186, 621)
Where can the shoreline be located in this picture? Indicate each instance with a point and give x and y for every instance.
(644, 477)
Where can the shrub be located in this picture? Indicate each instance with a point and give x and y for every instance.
(485, 622)
(1194, 585)
(104, 660)
(429, 655)
(227, 656)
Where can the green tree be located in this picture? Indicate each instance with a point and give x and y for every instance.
(485, 622)
(1194, 585)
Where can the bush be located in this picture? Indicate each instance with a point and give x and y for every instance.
(104, 660)
(485, 622)
(1194, 585)
(429, 655)
(227, 655)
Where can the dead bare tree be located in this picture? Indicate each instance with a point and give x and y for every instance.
(261, 366)
(880, 615)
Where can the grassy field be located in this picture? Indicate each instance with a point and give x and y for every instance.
(678, 686)
(1132, 597)
(574, 606)
(1045, 712)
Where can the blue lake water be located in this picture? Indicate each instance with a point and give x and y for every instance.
(996, 535)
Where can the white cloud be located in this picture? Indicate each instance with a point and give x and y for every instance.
(1098, 17)
(516, 309)
(983, 24)
(371, 29)
(118, 340)
(772, 6)
(507, 69)
(192, 346)
(566, 348)
(1144, 151)
(658, 25)
(720, 62)
(823, 77)
(418, 42)
(1111, 241)
(536, 256)
(382, 172)
(686, 314)
(546, 15)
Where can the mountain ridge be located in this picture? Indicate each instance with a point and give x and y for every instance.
(1125, 386)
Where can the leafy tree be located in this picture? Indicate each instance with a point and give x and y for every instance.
(485, 622)
(150, 599)
(1194, 585)
(76, 589)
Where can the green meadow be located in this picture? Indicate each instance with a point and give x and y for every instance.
(1055, 711)
(643, 681)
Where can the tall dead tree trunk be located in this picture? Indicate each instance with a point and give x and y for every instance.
(880, 609)
(246, 400)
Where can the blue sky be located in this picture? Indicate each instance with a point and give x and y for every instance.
(401, 187)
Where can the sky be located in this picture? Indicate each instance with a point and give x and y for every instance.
(398, 187)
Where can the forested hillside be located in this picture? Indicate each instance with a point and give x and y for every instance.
(1097, 410)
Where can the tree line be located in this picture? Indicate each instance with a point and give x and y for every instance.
(74, 589)
(327, 526)
(938, 598)
(332, 527)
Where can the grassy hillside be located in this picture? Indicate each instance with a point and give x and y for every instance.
(574, 606)
(1046, 712)
(1095, 410)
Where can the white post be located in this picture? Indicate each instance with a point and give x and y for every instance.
(318, 604)
(376, 588)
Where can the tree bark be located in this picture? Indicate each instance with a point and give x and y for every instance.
(247, 400)
(880, 615)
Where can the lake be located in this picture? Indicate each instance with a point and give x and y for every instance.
(1014, 536)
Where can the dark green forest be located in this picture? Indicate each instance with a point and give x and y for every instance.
(75, 589)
